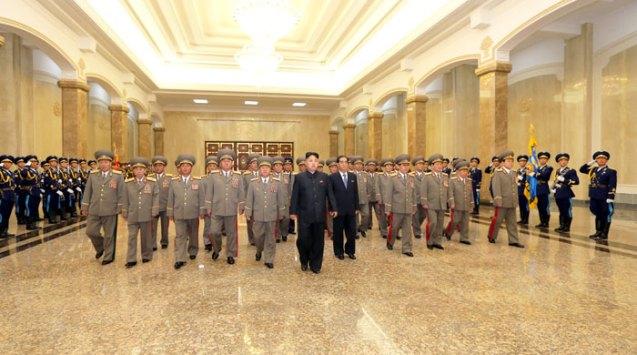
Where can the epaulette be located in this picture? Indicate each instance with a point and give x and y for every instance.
(254, 178)
(175, 178)
(151, 174)
(454, 178)
(129, 180)
(237, 172)
(411, 173)
(196, 177)
(276, 178)
(94, 171)
(214, 171)
(499, 169)
(116, 172)
(295, 173)
(247, 172)
(393, 173)
(428, 173)
(151, 178)
(169, 175)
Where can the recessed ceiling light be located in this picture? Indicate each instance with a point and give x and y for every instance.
(200, 101)
(251, 103)
(299, 104)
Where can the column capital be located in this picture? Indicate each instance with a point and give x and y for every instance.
(416, 98)
(159, 129)
(2, 40)
(144, 121)
(349, 125)
(118, 108)
(333, 132)
(493, 66)
(375, 115)
(73, 84)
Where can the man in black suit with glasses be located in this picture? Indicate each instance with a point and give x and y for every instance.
(345, 190)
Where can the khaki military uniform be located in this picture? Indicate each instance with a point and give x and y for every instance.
(186, 203)
(382, 181)
(421, 212)
(247, 177)
(400, 200)
(434, 196)
(505, 199)
(364, 189)
(461, 201)
(225, 197)
(265, 206)
(102, 201)
(286, 187)
(163, 185)
(141, 204)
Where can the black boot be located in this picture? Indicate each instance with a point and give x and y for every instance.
(598, 228)
(561, 227)
(604, 234)
(567, 224)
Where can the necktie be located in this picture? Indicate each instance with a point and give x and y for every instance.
(345, 180)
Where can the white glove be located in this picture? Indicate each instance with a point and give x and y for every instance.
(477, 190)
(553, 191)
(610, 200)
(78, 189)
(520, 177)
(42, 190)
(59, 181)
(532, 173)
(590, 163)
(69, 191)
(560, 178)
(59, 193)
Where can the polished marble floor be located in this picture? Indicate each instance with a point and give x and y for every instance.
(562, 294)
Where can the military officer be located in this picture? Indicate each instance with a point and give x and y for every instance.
(476, 181)
(543, 175)
(601, 192)
(52, 182)
(461, 201)
(382, 182)
(489, 170)
(370, 168)
(365, 188)
(300, 162)
(505, 200)
(102, 202)
(400, 201)
(225, 197)
(434, 197)
(281, 232)
(141, 204)
(419, 217)
(20, 194)
(248, 175)
(162, 180)
(30, 184)
(7, 194)
(321, 165)
(565, 177)
(522, 183)
(212, 165)
(186, 204)
(265, 206)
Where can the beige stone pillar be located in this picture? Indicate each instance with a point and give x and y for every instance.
(349, 139)
(416, 121)
(375, 135)
(333, 143)
(119, 131)
(493, 108)
(158, 133)
(144, 137)
(1, 41)
(74, 118)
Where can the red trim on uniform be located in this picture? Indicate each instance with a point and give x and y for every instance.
(492, 226)
(449, 229)
(390, 220)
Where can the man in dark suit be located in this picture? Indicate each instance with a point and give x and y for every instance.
(311, 196)
(344, 187)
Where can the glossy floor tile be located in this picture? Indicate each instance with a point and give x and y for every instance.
(560, 294)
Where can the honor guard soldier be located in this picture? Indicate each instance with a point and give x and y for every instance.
(565, 178)
(225, 197)
(141, 204)
(30, 184)
(78, 184)
(212, 166)
(7, 194)
(248, 175)
(419, 217)
(476, 180)
(445, 166)
(461, 197)
(489, 170)
(102, 202)
(162, 180)
(522, 184)
(365, 188)
(92, 164)
(601, 192)
(186, 204)
(45, 168)
(281, 232)
(265, 207)
(20, 194)
(68, 201)
(505, 200)
(382, 184)
(543, 175)
(400, 201)
(52, 183)
(434, 197)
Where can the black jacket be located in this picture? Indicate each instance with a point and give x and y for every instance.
(346, 199)
(311, 197)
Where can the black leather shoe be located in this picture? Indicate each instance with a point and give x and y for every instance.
(130, 264)
(145, 260)
(278, 241)
(430, 247)
(303, 267)
(164, 246)
(154, 248)
(595, 236)
(398, 238)
(285, 238)
(384, 237)
(257, 257)
(99, 254)
(106, 262)
(340, 257)
(215, 255)
(357, 237)
(541, 225)
(517, 245)
(316, 271)
(492, 241)
(559, 229)
(448, 236)
(418, 236)
(230, 260)
(252, 244)
(179, 264)
(465, 242)
(31, 227)
(390, 247)
(409, 254)
(364, 234)
(208, 247)
(438, 246)
(193, 257)
(269, 265)
(352, 256)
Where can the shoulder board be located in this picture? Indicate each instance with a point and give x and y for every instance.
(150, 178)
(237, 172)
(214, 172)
(428, 173)
(411, 173)
(117, 172)
(499, 169)
(247, 173)
(254, 179)
(129, 180)
(151, 174)
(295, 173)
(169, 175)
(454, 178)
(276, 179)
(196, 177)
(175, 178)
(393, 173)
(92, 171)
(286, 173)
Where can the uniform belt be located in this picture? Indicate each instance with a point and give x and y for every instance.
(541, 182)
(7, 189)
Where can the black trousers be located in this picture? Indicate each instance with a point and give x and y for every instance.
(524, 208)
(543, 208)
(311, 243)
(347, 224)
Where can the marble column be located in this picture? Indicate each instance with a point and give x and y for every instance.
(348, 135)
(158, 133)
(416, 121)
(333, 143)
(75, 130)
(119, 131)
(375, 135)
(144, 136)
(493, 108)
(1, 41)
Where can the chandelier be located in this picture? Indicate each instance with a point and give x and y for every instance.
(265, 22)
